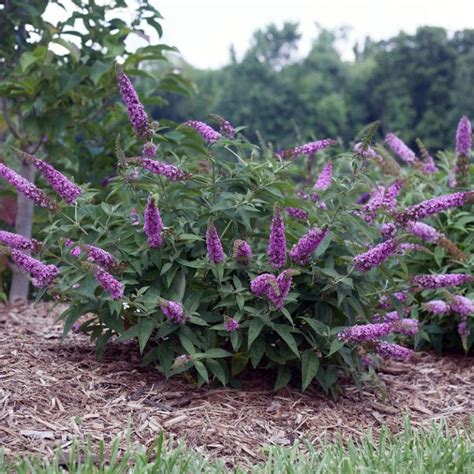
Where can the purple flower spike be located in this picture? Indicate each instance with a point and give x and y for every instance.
(100, 257)
(275, 289)
(149, 150)
(406, 326)
(29, 190)
(423, 231)
(432, 282)
(398, 147)
(226, 128)
(18, 242)
(135, 109)
(259, 285)
(388, 230)
(435, 205)
(375, 256)
(75, 251)
(382, 198)
(429, 166)
(112, 286)
(297, 213)
(368, 153)
(462, 305)
(277, 241)
(324, 180)
(173, 311)
(171, 172)
(301, 252)
(42, 275)
(153, 225)
(365, 332)
(437, 307)
(206, 132)
(231, 325)
(215, 252)
(464, 137)
(307, 149)
(65, 188)
(242, 252)
(389, 350)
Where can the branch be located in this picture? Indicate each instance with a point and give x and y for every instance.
(10, 124)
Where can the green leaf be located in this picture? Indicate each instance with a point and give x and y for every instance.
(309, 368)
(257, 351)
(216, 368)
(187, 344)
(283, 377)
(284, 332)
(145, 328)
(202, 371)
(255, 328)
(335, 346)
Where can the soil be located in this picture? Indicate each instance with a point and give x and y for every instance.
(52, 391)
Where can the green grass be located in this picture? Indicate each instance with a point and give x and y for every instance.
(411, 451)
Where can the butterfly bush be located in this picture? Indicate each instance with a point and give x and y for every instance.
(202, 279)
(18, 242)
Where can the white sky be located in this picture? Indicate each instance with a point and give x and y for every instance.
(203, 30)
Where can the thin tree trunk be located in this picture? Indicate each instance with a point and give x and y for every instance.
(23, 225)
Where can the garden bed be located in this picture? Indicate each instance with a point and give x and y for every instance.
(53, 391)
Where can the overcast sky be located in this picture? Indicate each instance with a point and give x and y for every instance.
(203, 30)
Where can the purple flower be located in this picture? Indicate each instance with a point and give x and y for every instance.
(75, 251)
(363, 199)
(153, 224)
(406, 247)
(432, 282)
(429, 166)
(149, 150)
(113, 287)
(375, 256)
(464, 137)
(277, 241)
(171, 172)
(284, 281)
(365, 332)
(324, 180)
(437, 307)
(242, 251)
(215, 252)
(405, 153)
(390, 318)
(274, 288)
(388, 230)
(226, 128)
(423, 231)
(435, 205)
(65, 188)
(382, 198)
(393, 351)
(135, 109)
(29, 190)
(297, 213)
(462, 305)
(173, 311)
(100, 257)
(399, 295)
(206, 132)
(230, 325)
(368, 152)
(76, 328)
(18, 242)
(302, 251)
(307, 149)
(406, 326)
(42, 275)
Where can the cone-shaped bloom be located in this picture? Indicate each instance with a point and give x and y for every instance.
(390, 350)
(406, 326)
(375, 256)
(388, 230)
(153, 224)
(100, 257)
(462, 305)
(29, 190)
(230, 325)
(365, 332)
(324, 180)
(149, 150)
(306, 149)
(135, 109)
(423, 231)
(173, 311)
(171, 172)
(464, 137)
(277, 241)
(242, 251)
(112, 286)
(206, 132)
(432, 282)
(215, 252)
(15, 241)
(297, 213)
(437, 307)
(42, 275)
(368, 153)
(429, 166)
(400, 148)
(301, 252)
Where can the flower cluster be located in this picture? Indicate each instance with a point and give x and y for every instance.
(423, 231)
(432, 282)
(19, 242)
(153, 224)
(277, 241)
(368, 152)
(429, 166)
(400, 148)
(226, 128)
(306, 149)
(242, 252)
(230, 325)
(173, 311)
(206, 132)
(274, 288)
(42, 275)
(100, 257)
(435, 205)
(406, 326)
(29, 190)
(112, 286)
(302, 251)
(171, 172)
(297, 213)
(437, 307)
(462, 305)
(399, 295)
(392, 351)
(215, 252)
(375, 256)
(464, 137)
(135, 109)
(388, 230)
(382, 198)
(324, 180)
(149, 150)
(365, 332)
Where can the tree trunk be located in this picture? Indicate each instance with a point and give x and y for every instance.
(23, 225)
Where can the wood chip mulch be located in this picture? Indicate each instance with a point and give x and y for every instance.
(52, 391)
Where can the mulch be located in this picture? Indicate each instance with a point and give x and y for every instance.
(52, 391)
